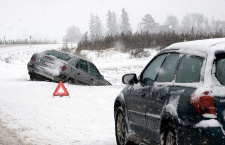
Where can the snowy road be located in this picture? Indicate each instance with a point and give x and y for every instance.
(30, 115)
(8, 137)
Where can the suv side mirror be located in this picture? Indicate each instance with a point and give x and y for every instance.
(129, 79)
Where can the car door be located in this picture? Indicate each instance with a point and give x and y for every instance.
(96, 77)
(139, 93)
(160, 92)
(81, 72)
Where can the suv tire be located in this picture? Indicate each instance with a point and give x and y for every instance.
(120, 128)
(169, 137)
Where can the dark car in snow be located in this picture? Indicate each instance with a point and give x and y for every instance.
(178, 99)
(58, 66)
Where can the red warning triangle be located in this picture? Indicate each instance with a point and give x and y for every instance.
(60, 90)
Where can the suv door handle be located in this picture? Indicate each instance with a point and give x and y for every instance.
(78, 73)
(92, 79)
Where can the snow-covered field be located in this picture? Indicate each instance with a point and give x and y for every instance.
(86, 118)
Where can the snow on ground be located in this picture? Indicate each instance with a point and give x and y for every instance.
(29, 110)
(113, 64)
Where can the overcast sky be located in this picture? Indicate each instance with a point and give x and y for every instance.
(50, 18)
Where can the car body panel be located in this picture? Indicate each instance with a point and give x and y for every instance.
(156, 103)
(136, 107)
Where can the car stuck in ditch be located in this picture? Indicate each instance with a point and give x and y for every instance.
(53, 65)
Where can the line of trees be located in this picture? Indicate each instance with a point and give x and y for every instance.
(140, 40)
(195, 22)
(96, 28)
(27, 41)
(118, 32)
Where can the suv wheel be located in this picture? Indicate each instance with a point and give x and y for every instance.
(169, 136)
(120, 127)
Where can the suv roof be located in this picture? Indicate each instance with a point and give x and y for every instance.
(203, 46)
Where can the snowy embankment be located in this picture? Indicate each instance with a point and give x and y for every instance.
(28, 109)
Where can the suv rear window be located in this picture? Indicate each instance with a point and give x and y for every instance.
(58, 55)
(189, 69)
(220, 70)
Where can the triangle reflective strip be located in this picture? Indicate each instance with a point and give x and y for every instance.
(61, 90)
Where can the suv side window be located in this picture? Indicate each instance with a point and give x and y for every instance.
(189, 69)
(93, 70)
(82, 65)
(166, 72)
(150, 73)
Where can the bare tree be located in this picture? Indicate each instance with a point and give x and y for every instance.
(195, 22)
(172, 21)
(98, 26)
(91, 25)
(148, 23)
(217, 25)
(111, 23)
(125, 27)
(73, 35)
(114, 24)
(95, 26)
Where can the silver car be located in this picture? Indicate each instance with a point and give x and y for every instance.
(58, 66)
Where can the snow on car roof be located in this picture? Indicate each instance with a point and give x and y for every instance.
(204, 46)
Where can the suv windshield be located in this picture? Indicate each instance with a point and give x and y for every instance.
(58, 55)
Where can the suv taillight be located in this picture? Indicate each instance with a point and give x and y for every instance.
(203, 102)
(64, 68)
(33, 58)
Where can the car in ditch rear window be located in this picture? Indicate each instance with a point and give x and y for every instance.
(58, 66)
(178, 99)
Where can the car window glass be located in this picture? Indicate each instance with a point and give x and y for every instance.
(220, 70)
(189, 70)
(94, 71)
(151, 71)
(82, 65)
(58, 55)
(166, 72)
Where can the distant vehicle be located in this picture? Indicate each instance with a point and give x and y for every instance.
(178, 99)
(58, 66)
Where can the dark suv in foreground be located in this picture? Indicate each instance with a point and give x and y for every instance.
(178, 99)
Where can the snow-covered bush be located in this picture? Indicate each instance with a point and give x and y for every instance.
(139, 53)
